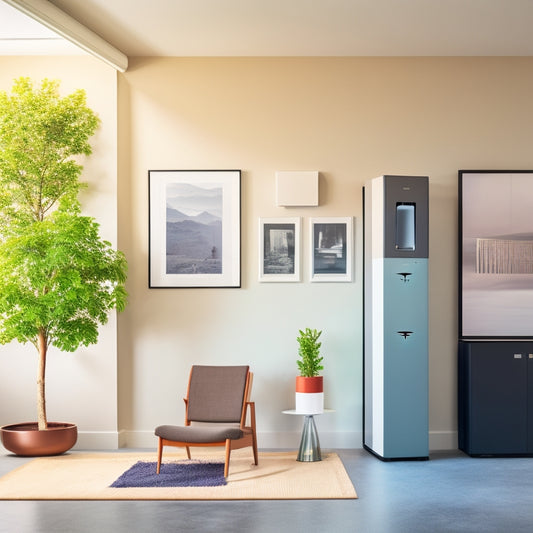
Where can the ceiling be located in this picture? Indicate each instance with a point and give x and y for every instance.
(20, 35)
(292, 27)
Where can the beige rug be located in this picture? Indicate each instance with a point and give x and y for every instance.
(87, 476)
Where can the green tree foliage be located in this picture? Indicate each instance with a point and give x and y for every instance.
(40, 132)
(309, 352)
(58, 279)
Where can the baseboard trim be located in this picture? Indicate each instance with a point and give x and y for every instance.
(267, 440)
(136, 439)
(111, 440)
(443, 440)
(97, 440)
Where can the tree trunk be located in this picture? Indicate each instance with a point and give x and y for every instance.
(41, 401)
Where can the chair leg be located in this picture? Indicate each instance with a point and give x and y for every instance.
(254, 433)
(254, 446)
(228, 452)
(159, 454)
(188, 452)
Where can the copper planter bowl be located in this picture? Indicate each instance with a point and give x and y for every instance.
(27, 440)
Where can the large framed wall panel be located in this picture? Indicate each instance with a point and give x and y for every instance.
(495, 254)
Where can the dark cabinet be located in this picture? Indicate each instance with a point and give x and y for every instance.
(496, 397)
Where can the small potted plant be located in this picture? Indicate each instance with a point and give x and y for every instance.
(309, 385)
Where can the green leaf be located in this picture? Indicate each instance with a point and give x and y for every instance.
(309, 352)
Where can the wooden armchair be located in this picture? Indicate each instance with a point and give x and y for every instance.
(217, 403)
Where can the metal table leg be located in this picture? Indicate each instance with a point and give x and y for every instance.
(309, 445)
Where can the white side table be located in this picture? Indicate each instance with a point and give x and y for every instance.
(309, 445)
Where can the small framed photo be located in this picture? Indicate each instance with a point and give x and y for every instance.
(279, 249)
(195, 228)
(331, 248)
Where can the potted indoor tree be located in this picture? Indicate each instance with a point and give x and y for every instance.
(309, 384)
(58, 279)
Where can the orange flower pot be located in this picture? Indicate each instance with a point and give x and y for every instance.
(309, 385)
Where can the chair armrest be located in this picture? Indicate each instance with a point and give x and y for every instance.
(251, 407)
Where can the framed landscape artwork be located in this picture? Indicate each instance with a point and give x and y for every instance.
(195, 228)
(495, 253)
(331, 248)
(279, 249)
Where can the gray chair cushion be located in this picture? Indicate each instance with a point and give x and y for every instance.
(194, 434)
(216, 393)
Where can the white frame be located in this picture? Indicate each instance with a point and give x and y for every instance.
(229, 212)
(346, 275)
(283, 277)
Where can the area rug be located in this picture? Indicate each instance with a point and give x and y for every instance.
(175, 474)
(89, 476)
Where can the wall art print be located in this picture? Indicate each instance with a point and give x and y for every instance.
(195, 232)
(331, 245)
(495, 253)
(279, 249)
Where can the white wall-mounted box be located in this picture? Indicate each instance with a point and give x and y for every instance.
(297, 188)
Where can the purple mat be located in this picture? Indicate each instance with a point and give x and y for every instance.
(186, 474)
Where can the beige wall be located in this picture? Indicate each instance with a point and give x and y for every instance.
(81, 387)
(350, 118)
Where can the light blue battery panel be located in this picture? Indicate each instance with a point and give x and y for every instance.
(405, 365)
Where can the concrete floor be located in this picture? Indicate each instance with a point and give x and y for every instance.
(449, 493)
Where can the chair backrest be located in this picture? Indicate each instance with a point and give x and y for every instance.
(217, 393)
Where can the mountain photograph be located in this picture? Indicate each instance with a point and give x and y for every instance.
(194, 229)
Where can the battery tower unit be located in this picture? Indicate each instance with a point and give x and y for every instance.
(395, 402)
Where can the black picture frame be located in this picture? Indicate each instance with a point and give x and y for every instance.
(194, 228)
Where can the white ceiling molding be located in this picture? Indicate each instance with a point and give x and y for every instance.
(70, 29)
